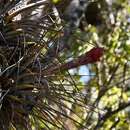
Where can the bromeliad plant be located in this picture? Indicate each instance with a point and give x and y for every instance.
(32, 95)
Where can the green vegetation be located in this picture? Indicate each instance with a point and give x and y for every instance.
(37, 39)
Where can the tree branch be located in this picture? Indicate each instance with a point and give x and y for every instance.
(110, 113)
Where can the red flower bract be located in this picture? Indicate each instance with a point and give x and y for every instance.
(94, 55)
(89, 57)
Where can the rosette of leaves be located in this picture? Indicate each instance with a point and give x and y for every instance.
(30, 98)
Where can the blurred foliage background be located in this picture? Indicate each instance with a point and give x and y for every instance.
(96, 98)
